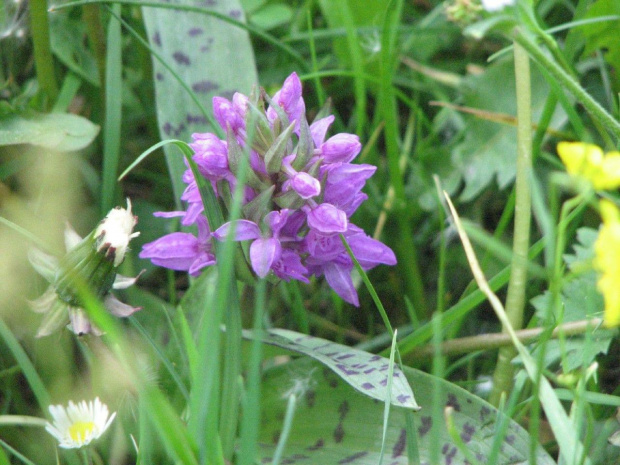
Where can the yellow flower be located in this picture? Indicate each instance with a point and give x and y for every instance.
(607, 261)
(589, 162)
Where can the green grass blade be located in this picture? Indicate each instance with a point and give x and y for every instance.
(26, 366)
(113, 113)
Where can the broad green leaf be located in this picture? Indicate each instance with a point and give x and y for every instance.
(365, 372)
(272, 15)
(211, 57)
(603, 35)
(57, 131)
(580, 299)
(66, 44)
(336, 425)
(489, 148)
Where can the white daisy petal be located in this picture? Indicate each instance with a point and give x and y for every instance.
(75, 426)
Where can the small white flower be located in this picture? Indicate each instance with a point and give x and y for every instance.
(496, 5)
(115, 231)
(77, 425)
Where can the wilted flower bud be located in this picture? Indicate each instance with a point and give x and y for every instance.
(91, 262)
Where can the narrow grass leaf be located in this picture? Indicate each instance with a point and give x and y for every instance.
(113, 112)
(26, 366)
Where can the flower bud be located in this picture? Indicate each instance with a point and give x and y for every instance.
(305, 185)
(341, 148)
(211, 156)
(327, 219)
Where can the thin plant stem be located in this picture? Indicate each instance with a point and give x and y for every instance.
(497, 340)
(42, 49)
(567, 81)
(515, 298)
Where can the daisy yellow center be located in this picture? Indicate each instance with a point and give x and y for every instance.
(80, 430)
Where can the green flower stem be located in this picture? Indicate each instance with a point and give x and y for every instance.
(492, 341)
(591, 105)
(42, 49)
(515, 299)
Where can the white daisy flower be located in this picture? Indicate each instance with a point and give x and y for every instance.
(77, 425)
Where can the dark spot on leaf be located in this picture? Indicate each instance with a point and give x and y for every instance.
(383, 382)
(368, 386)
(317, 445)
(449, 454)
(515, 459)
(369, 371)
(204, 87)
(484, 412)
(445, 448)
(359, 365)
(196, 119)
(195, 31)
(346, 371)
(159, 77)
(157, 39)
(167, 128)
(469, 401)
(510, 439)
(339, 433)
(236, 14)
(384, 367)
(343, 409)
(345, 356)
(276, 437)
(468, 432)
(299, 457)
(374, 358)
(480, 457)
(425, 427)
(181, 58)
(453, 402)
(310, 397)
(208, 2)
(399, 447)
(403, 398)
(353, 458)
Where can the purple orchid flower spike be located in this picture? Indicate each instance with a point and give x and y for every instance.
(301, 191)
(182, 251)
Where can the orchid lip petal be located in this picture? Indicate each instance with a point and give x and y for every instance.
(263, 253)
(244, 230)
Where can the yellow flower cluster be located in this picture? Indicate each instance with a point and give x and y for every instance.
(589, 162)
(602, 170)
(607, 261)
